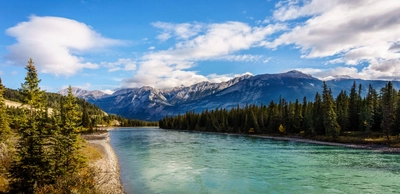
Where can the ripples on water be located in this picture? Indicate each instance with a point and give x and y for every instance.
(163, 161)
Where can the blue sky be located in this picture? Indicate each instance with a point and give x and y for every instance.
(106, 45)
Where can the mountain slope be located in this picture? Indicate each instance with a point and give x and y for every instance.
(151, 104)
(85, 94)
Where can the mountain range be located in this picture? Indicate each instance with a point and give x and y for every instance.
(147, 103)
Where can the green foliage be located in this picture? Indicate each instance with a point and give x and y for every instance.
(342, 111)
(30, 168)
(332, 128)
(354, 108)
(5, 131)
(388, 108)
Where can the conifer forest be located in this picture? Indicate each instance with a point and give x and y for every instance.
(375, 115)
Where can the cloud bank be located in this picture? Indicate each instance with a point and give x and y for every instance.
(218, 41)
(353, 32)
(55, 43)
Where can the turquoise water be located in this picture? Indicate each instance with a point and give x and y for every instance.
(153, 160)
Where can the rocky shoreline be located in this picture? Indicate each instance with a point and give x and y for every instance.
(109, 177)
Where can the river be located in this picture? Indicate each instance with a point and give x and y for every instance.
(154, 160)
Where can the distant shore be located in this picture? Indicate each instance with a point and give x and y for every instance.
(109, 176)
(374, 147)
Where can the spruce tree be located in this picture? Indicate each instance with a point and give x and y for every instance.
(396, 128)
(342, 110)
(70, 160)
(388, 109)
(354, 108)
(85, 116)
(332, 128)
(318, 122)
(367, 111)
(31, 166)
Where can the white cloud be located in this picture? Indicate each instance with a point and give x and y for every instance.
(152, 48)
(122, 64)
(240, 58)
(355, 32)
(225, 77)
(330, 72)
(85, 86)
(107, 91)
(171, 67)
(181, 31)
(54, 43)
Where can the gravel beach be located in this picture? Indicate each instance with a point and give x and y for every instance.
(109, 177)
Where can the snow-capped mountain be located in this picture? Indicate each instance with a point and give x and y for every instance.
(85, 94)
(151, 104)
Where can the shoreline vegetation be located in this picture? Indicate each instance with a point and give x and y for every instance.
(374, 147)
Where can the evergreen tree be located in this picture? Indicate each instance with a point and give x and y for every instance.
(298, 117)
(367, 111)
(85, 116)
(354, 108)
(31, 166)
(5, 131)
(396, 128)
(388, 109)
(71, 160)
(318, 121)
(342, 110)
(332, 128)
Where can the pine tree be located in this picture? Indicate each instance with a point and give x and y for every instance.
(85, 116)
(354, 108)
(70, 160)
(332, 128)
(298, 117)
(396, 128)
(31, 166)
(342, 110)
(388, 109)
(318, 122)
(367, 112)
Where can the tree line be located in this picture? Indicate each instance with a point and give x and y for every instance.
(40, 142)
(324, 116)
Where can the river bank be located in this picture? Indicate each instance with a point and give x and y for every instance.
(109, 177)
(371, 146)
(374, 147)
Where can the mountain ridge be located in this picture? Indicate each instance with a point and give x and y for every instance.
(150, 103)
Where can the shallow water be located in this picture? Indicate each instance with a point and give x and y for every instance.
(153, 160)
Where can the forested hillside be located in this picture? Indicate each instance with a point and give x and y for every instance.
(98, 118)
(41, 151)
(375, 115)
